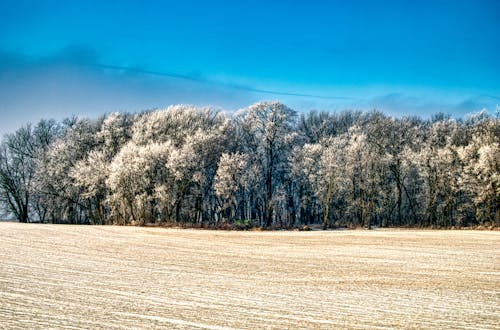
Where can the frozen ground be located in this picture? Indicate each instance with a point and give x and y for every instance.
(73, 277)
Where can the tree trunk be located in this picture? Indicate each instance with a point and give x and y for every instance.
(269, 191)
(400, 201)
(328, 200)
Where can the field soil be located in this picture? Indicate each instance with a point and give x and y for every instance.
(74, 277)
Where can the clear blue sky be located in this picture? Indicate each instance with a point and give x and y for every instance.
(59, 58)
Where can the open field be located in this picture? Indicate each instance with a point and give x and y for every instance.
(128, 277)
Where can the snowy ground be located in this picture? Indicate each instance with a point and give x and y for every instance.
(56, 276)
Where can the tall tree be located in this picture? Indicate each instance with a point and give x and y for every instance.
(17, 167)
(270, 124)
(20, 153)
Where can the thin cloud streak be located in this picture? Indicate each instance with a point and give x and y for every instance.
(213, 82)
(83, 56)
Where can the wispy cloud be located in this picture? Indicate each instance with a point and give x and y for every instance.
(73, 82)
(81, 55)
(418, 103)
(198, 78)
(76, 80)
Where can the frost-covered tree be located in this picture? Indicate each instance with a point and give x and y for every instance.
(63, 197)
(332, 175)
(91, 172)
(305, 169)
(174, 124)
(134, 177)
(229, 180)
(394, 139)
(438, 166)
(365, 165)
(194, 165)
(20, 153)
(480, 178)
(270, 126)
(17, 167)
(90, 175)
(114, 133)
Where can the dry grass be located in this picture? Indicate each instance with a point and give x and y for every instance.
(127, 277)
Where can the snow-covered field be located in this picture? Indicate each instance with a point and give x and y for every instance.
(56, 276)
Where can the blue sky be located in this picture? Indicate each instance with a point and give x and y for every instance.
(59, 58)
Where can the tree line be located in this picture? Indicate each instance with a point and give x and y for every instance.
(265, 166)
